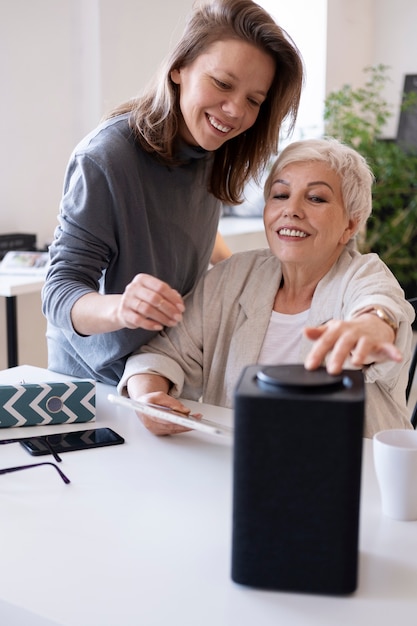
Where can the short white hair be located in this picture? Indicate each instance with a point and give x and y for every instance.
(355, 174)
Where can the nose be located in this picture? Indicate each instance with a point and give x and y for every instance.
(293, 209)
(233, 106)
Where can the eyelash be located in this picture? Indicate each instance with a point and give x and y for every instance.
(225, 86)
(283, 196)
(220, 84)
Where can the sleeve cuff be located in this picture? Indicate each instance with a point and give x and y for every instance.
(153, 364)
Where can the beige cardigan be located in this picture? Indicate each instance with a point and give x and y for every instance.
(228, 314)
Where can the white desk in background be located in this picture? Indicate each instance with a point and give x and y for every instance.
(243, 233)
(142, 535)
(11, 286)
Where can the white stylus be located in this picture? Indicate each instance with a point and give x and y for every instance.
(170, 415)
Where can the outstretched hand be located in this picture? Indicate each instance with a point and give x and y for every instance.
(363, 340)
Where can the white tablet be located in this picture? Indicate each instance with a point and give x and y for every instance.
(169, 415)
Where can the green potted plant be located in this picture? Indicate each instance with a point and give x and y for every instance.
(358, 117)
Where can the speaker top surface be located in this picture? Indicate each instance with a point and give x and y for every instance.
(296, 376)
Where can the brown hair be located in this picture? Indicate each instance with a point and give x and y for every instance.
(155, 115)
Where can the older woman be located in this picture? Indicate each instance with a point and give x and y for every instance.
(310, 298)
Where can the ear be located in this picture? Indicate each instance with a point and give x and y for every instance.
(349, 232)
(175, 76)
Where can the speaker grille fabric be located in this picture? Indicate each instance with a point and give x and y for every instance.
(296, 486)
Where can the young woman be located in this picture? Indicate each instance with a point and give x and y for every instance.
(143, 192)
(310, 298)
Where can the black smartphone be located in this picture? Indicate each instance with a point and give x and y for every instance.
(75, 440)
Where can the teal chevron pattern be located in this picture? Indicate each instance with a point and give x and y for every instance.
(32, 404)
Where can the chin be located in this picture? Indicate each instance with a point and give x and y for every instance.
(214, 143)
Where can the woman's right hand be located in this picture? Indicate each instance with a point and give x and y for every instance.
(153, 389)
(158, 426)
(149, 303)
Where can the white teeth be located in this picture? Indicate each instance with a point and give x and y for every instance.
(286, 232)
(223, 129)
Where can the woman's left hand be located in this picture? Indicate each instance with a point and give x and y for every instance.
(364, 340)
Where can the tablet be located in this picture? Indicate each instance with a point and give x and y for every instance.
(169, 415)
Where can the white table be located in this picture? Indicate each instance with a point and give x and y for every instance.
(11, 286)
(141, 537)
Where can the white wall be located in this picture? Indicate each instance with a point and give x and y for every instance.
(63, 63)
(350, 41)
(36, 114)
(369, 32)
(306, 23)
(395, 44)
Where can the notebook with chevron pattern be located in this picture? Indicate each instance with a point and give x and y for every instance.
(30, 404)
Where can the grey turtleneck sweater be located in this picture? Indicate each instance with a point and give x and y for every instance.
(123, 213)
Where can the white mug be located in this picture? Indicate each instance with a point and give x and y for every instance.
(395, 458)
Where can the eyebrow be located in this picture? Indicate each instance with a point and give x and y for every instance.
(312, 184)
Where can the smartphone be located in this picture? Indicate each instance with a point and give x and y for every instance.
(67, 442)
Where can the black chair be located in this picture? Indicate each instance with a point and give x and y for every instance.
(413, 418)
(412, 371)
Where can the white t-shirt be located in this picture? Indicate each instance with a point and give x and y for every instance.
(282, 339)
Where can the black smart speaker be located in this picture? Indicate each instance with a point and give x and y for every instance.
(296, 479)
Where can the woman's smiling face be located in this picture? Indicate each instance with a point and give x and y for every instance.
(305, 218)
(221, 92)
